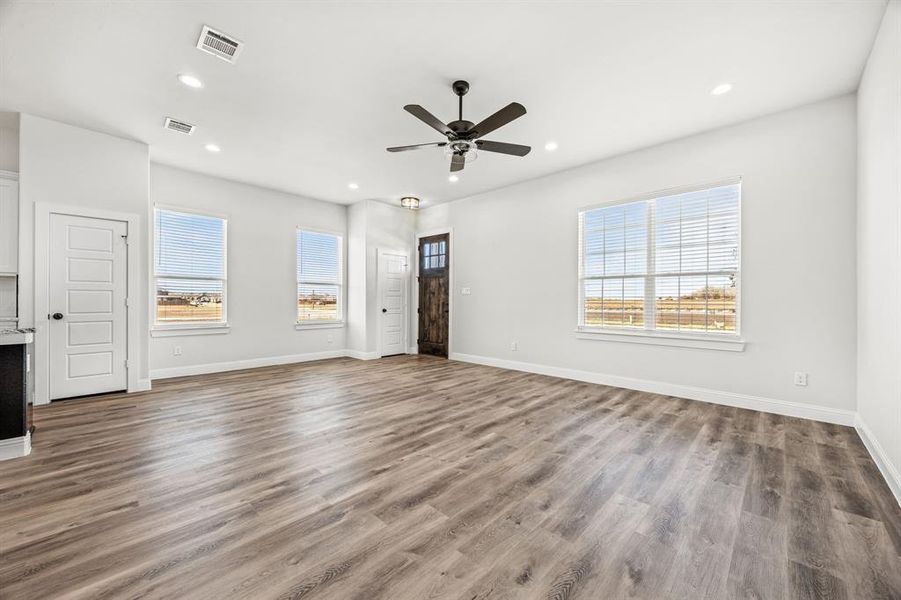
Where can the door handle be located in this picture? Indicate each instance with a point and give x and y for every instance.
(384, 310)
(57, 316)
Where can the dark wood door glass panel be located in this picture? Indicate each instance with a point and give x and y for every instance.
(434, 292)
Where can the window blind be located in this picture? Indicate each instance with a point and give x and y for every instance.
(189, 266)
(319, 277)
(665, 263)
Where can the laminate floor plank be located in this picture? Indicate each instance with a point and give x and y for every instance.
(414, 477)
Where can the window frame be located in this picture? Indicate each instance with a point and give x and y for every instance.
(731, 340)
(321, 323)
(173, 328)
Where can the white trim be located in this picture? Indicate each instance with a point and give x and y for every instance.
(769, 405)
(880, 457)
(12, 175)
(414, 305)
(237, 365)
(186, 329)
(143, 385)
(42, 212)
(413, 350)
(728, 343)
(16, 447)
(666, 192)
(310, 325)
(360, 355)
(378, 292)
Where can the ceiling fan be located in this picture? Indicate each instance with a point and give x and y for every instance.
(463, 137)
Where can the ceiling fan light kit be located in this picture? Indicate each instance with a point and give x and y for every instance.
(464, 137)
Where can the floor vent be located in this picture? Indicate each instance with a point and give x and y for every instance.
(219, 45)
(179, 126)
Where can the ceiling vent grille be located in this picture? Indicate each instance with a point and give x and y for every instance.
(179, 126)
(219, 45)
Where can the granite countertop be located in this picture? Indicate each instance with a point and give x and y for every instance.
(10, 337)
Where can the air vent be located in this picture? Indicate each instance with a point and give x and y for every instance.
(179, 126)
(219, 45)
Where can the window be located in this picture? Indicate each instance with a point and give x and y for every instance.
(434, 255)
(663, 264)
(319, 278)
(189, 268)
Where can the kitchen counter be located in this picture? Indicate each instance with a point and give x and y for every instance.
(10, 337)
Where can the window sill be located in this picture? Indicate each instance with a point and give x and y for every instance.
(728, 342)
(180, 329)
(324, 325)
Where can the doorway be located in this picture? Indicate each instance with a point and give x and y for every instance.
(434, 294)
(87, 316)
(393, 273)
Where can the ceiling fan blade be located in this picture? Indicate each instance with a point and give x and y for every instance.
(416, 147)
(428, 118)
(458, 161)
(503, 147)
(512, 111)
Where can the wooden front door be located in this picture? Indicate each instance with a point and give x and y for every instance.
(434, 290)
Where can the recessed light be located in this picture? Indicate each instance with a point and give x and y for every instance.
(453, 179)
(723, 88)
(353, 186)
(213, 148)
(190, 81)
(550, 146)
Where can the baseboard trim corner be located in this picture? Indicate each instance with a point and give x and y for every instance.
(360, 355)
(15, 447)
(768, 405)
(880, 457)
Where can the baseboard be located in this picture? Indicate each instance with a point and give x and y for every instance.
(412, 350)
(237, 365)
(15, 447)
(360, 355)
(143, 385)
(769, 405)
(880, 457)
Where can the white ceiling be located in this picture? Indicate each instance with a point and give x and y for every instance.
(318, 93)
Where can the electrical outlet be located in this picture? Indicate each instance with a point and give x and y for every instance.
(176, 350)
(514, 345)
(466, 291)
(800, 378)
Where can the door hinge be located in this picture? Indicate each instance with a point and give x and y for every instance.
(127, 363)
(126, 302)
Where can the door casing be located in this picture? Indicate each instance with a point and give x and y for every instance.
(42, 212)
(405, 315)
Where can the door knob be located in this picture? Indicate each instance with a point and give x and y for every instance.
(57, 316)
(384, 310)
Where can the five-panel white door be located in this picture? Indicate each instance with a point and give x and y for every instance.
(393, 296)
(87, 301)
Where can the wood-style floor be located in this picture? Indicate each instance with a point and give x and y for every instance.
(415, 478)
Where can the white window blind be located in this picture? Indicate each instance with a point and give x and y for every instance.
(189, 267)
(667, 263)
(319, 277)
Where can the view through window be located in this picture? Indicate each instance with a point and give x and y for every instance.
(319, 277)
(189, 267)
(665, 263)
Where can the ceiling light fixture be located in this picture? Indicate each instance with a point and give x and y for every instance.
(550, 146)
(190, 81)
(353, 186)
(213, 148)
(410, 202)
(453, 179)
(723, 88)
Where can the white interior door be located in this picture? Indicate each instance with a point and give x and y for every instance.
(393, 273)
(87, 296)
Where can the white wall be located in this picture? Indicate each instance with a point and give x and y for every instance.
(262, 292)
(9, 143)
(516, 248)
(879, 246)
(62, 164)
